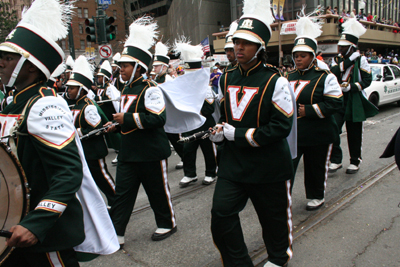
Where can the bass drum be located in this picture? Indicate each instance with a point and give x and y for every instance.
(14, 195)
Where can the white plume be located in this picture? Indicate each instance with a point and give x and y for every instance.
(59, 70)
(142, 33)
(70, 62)
(161, 49)
(188, 52)
(306, 27)
(117, 56)
(353, 27)
(260, 8)
(50, 16)
(82, 66)
(232, 28)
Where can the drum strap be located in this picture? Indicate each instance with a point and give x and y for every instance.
(14, 129)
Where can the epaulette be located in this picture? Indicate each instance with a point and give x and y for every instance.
(44, 91)
(150, 83)
(292, 71)
(273, 69)
(231, 69)
(322, 70)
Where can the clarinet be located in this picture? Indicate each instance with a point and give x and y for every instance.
(97, 131)
(196, 136)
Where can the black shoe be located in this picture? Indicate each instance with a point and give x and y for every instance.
(159, 237)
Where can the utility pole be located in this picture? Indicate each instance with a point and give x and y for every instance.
(71, 44)
(279, 33)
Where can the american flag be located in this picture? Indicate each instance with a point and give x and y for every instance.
(206, 45)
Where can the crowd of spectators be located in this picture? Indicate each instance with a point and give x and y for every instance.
(373, 57)
(361, 16)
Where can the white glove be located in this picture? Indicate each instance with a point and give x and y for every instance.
(229, 132)
(354, 56)
(344, 87)
(217, 137)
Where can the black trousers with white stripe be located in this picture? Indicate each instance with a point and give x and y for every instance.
(23, 257)
(102, 177)
(153, 176)
(316, 163)
(354, 140)
(272, 202)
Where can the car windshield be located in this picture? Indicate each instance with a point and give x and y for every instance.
(375, 71)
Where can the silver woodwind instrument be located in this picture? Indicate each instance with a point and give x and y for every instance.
(196, 136)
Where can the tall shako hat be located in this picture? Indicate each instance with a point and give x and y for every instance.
(141, 38)
(82, 74)
(307, 32)
(69, 63)
(105, 70)
(228, 38)
(352, 30)
(254, 24)
(190, 54)
(160, 55)
(115, 63)
(35, 36)
(58, 71)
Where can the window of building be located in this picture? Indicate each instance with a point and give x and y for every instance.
(82, 44)
(116, 29)
(113, 2)
(89, 44)
(115, 14)
(79, 12)
(63, 44)
(80, 28)
(85, 13)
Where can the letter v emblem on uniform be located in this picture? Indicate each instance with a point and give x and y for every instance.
(297, 89)
(238, 108)
(126, 102)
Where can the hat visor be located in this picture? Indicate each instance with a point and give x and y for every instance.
(75, 83)
(7, 49)
(344, 43)
(247, 36)
(158, 63)
(228, 45)
(130, 59)
(302, 48)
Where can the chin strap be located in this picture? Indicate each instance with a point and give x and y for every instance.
(348, 50)
(16, 71)
(133, 73)
(255, 56)
(309, 66)
(160, 72)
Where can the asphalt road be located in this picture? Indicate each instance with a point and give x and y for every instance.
(354, 235)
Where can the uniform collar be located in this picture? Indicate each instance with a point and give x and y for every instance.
(136, 82)
(252, 70)
(26, 93)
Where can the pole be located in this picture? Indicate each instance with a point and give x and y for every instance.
(279, 33)
(71, 44)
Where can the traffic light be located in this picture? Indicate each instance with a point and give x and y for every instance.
(90, 30)
(110, 35)
(340, 27)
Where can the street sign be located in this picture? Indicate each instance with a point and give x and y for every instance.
(105, 51)
(104, 2)
(104, 7)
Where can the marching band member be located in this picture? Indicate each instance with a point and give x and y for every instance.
(87, 119)
(160, 67)
(192, 58)
(230, 53)
(256, 162)
(318, 97)
(116, 79)
(354, 74)
(54, 166)
(107, 91)
(142, 158)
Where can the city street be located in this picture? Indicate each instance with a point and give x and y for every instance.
(357, 227)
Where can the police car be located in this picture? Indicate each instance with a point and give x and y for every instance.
(385, 85)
